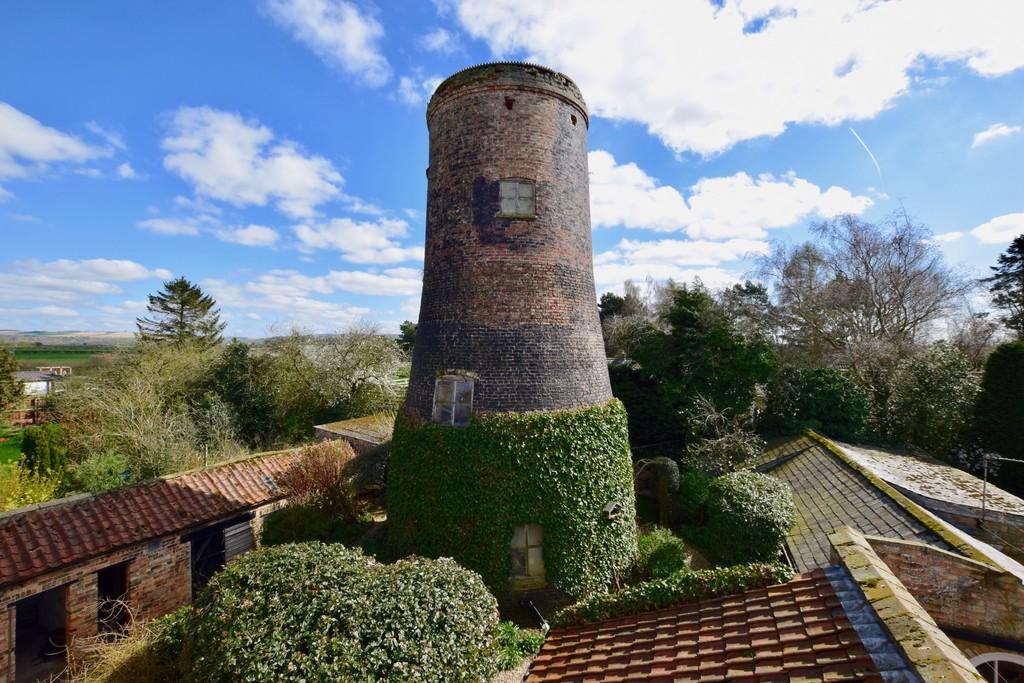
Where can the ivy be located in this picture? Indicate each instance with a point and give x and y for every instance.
(460, 492)
(681, 587)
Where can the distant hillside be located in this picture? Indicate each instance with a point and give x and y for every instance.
(67, 338)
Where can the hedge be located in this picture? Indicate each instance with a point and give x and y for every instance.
(999, 413)
(678, 588)
(824, 399)
(748, 517)
(315, 612)
(44, 448)
(659, 553)
(460, 493)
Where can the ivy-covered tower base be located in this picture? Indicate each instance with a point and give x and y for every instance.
(510, 454)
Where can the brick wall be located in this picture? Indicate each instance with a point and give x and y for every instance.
(958, 592)
(510, 302)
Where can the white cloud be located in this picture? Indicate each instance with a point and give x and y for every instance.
(67, 281)
(415, 90)
(27, 147)
(250, 235)
(238, 161)
(439, 40)
(735, 206)
(391, 282)
(949, 236)
(360, 241)
(338, 33)
(42, 311)
(170, 226)
(993, 132)
(411, 307)
(611, 276)
(126, 171)
(689, 252)
(1001, 229)
(703, 76)
(112, 138)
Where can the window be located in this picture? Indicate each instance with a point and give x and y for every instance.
(528, 554)
(1000, 667)
(453, 400)
(517, 198)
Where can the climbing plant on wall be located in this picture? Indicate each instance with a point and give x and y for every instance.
(461, 492)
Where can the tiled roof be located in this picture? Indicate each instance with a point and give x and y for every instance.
(797, 631)
(373, 428)
(828, 495)
(54, 535)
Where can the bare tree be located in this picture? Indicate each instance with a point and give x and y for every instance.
(865, 295)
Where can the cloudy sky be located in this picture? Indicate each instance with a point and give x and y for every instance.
(274, 150)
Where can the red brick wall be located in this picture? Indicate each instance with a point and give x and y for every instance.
(510, 302)
(957, 592)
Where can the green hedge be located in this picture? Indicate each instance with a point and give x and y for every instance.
(45, 448)
(678, 588)
(659, 553)
(460, 492)
(315, 612)
(749, 515)
(823, 399)
(999, 413)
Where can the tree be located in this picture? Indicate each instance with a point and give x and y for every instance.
(999, 413)
(1007, 285)
(610, 305)
(751, 310)
(931, 402)
(181, 312)
(242, 377)
(10, 388)
(865, 296)
(407, 336)
(44, 449)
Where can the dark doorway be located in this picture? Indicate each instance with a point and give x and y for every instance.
(208, 551)
(112, 592)
(40, 636)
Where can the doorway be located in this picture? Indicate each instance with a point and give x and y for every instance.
(40, 636)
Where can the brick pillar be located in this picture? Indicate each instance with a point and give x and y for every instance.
(160, 581)
(81, 603)
(6, 644)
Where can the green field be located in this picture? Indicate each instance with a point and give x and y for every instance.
(10, 444)
(77, 356)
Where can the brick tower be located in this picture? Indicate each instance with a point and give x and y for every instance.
(510, 453)
(508, 281)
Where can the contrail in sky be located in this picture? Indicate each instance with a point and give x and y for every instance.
(866, 149)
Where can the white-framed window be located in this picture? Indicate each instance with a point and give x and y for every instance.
(453, 400)
(528, 553)
(1000, 667)
(518, 198)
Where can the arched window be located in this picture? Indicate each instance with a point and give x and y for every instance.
(453, 400)
(528, 556)
(518, 199)
(1000, 667)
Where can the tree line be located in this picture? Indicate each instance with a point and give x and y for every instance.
(864, 333)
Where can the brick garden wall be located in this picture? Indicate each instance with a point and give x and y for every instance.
(510, 302)
(956, 591)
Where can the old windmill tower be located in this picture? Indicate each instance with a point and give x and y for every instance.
(510, 454)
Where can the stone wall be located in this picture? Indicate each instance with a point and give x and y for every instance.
(958, 592)
(509, 301)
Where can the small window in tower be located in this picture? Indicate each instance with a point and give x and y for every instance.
(528, 554)
(518, 199)
(453, 400)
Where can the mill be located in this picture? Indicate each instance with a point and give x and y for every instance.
(510, 453)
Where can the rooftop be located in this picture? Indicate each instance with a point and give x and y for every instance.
(372, 428)
(46, 537)
(830, 494)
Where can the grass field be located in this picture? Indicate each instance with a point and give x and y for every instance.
(78, 356)
(10, 445)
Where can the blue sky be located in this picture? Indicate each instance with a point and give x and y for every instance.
(274, 150)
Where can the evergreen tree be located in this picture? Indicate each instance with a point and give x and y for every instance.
(1007, 285)
(180, 313)
(10, 388)
(407, 336)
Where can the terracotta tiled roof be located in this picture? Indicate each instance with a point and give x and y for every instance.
(829, 494)
(797, 631)
(45, 538)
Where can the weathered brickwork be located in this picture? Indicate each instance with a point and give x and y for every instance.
(510, 302)
(159, 581)
(958, 592)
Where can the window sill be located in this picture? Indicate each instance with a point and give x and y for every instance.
(517, 216)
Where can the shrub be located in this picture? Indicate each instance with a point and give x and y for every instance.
(932, 400)
(296, 524)
(658, 554)
(666, 481)
(693, 494)
(515, 644)
(722, 442)
(44, 448)
(823, 399)
(99, 472)
(318, 480)
(999, 414)
(20, 486)
(315, 612)
(675, 589)
(749, 515)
